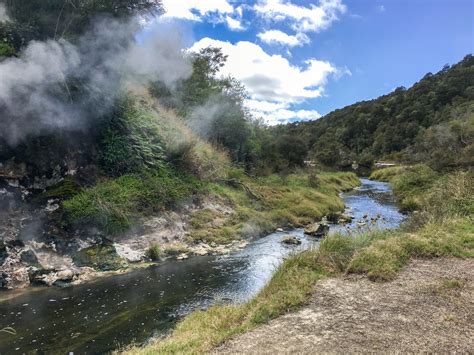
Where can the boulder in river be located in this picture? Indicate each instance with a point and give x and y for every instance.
(291, 240)
(182, 256)
(100, 257)
(317, 230)
(345, 218)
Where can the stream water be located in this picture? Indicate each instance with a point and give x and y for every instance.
(110, 312)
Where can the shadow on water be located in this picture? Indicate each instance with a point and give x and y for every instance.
(100, 316)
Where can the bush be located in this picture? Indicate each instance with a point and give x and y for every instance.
(154, 252)
(113, 205)
(131, 140)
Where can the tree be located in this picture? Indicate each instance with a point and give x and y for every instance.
(45, 19)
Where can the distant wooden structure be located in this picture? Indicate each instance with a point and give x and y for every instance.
(383, 164)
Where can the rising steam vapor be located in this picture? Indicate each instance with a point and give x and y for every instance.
(3, 14)
(58, 85)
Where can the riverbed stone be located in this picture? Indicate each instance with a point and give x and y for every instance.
(100, 257)
(345, 218)
(291, 240)
(317, 230)
(182, 256)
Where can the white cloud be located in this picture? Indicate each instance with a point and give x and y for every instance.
(234, 24)
(273, 83)
(301, 18)
(215, 11)
(264, 106)
(283, 116)
(279, 37)
(275, 113)
(381, 8)
(194, 10)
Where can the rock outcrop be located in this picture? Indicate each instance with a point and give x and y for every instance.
(318, 230)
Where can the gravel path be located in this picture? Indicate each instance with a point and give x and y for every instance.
(429, 307)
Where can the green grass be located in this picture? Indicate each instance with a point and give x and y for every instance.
(447, 229)
(410, 183)
(63, 190)
(384, 258)
(113, 205)
(283, 202)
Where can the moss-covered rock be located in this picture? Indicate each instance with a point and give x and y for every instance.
(100, 257)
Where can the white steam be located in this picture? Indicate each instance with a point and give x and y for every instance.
(58, 85)
(3, 14)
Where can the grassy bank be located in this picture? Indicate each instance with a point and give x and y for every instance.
(442, 227)
(115, 204)
(410, 183)
(254, 205)
(262, 204)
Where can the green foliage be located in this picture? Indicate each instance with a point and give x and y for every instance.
(131, 140)
(449, 144)
(114, 204)
(451, 196)
(212, 105)
(410, 183)
(154, 252)
(175, 249)
(63, 190)
(6, 50)
(429, 123)
(58, 18)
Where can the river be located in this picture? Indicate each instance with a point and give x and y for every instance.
(103, 315)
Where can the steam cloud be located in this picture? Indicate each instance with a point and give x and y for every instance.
(3, 14)
(58, 85)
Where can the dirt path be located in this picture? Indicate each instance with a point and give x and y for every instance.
(428, 308)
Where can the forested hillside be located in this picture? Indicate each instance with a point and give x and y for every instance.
(430, 122)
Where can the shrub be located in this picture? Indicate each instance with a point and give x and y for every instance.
(131, 140)
(114, 204)
(154, 252)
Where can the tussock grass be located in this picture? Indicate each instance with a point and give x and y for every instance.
(113, 205)
(185, 149)
(154, 252)
(410, 183)
(285, 201)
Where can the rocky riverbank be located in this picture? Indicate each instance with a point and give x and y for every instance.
(37, 249)
(30, 254)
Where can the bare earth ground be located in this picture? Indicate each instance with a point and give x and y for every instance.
(429, 307)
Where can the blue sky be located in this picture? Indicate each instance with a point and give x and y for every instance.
(302, 59)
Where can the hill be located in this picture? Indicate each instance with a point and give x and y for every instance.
(430, 122)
